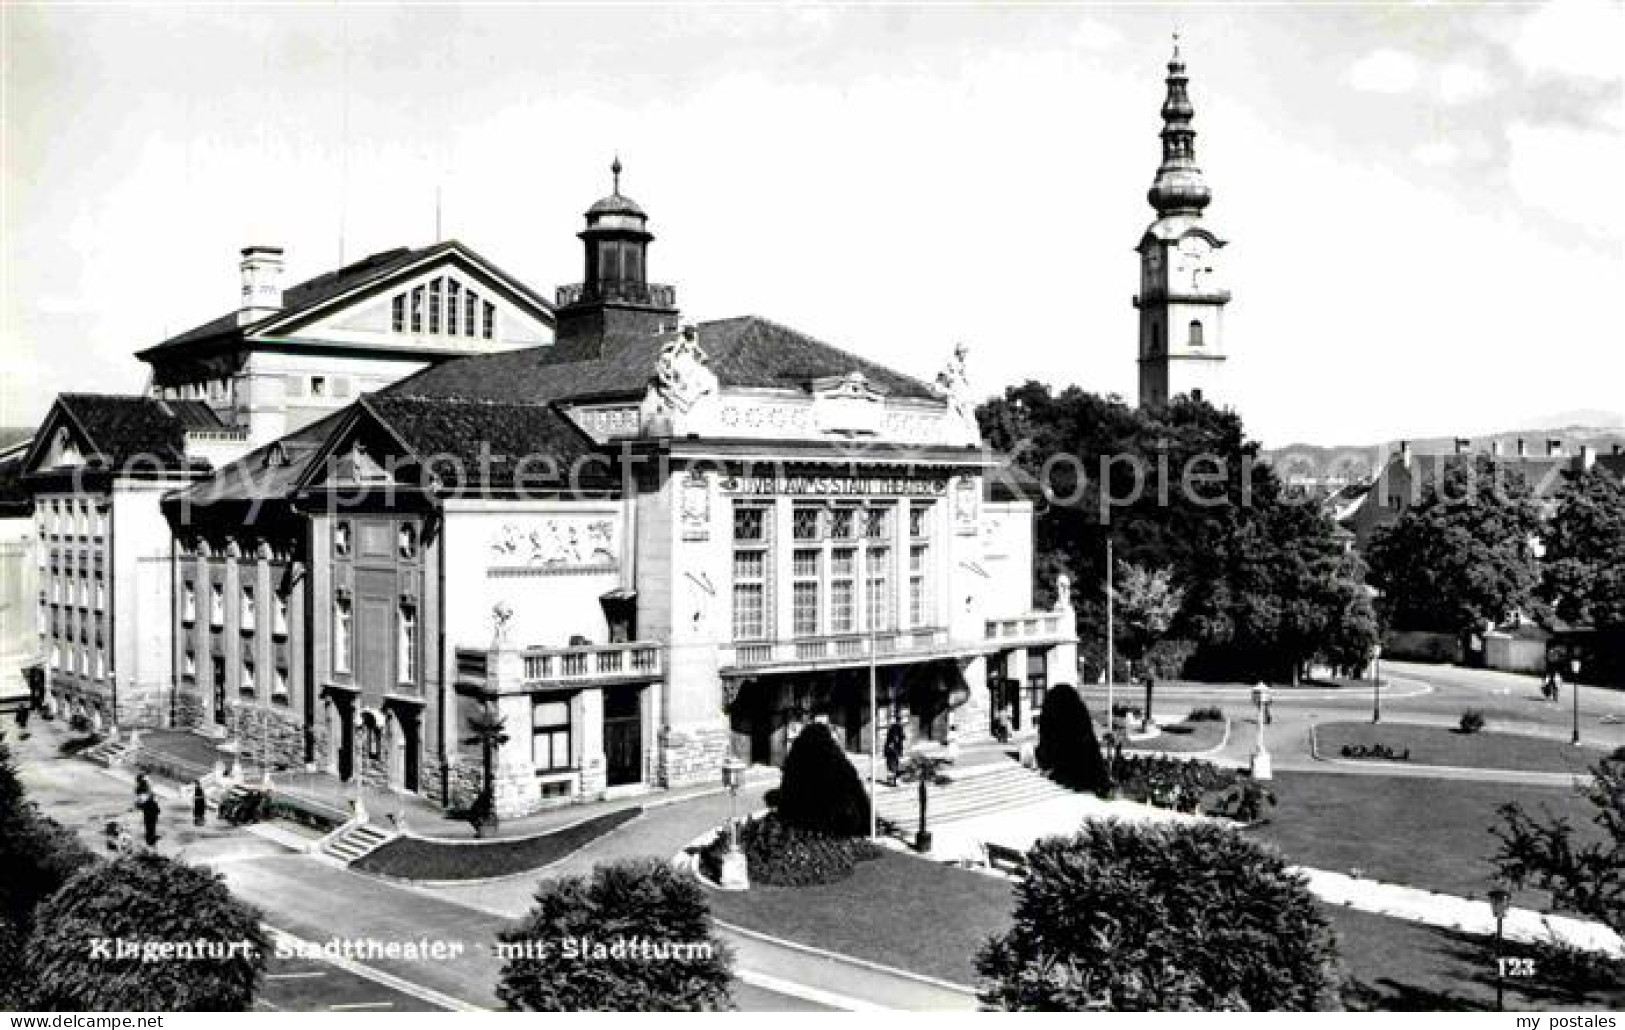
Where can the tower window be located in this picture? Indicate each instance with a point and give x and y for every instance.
(417, 310)
(434, 306)
(397, 320)
(490, 320)
(1196, 334)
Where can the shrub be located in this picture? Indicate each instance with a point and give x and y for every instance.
(1212, 713)
(1067, 748)
(145, 897)
(1169, 782)
(77, 744)
(788, 856)
(1160, 917)
(635, 903)
(1245, 803)
(241, 807)
(79, 722)
(1472, 720)
(819, 789)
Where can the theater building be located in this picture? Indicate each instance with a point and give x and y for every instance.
(642, 544)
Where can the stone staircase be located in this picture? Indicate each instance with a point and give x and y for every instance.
(110, 752)
(356, 842)
(979, 791)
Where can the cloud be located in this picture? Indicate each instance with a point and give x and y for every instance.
(1385, 71)
(1576, 38)
(1559, 169)
(1437, 154)
(1462, 83)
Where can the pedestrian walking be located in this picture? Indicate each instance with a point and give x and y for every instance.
(149, 818)
(143, 789)
(894, 749)
(200, 803)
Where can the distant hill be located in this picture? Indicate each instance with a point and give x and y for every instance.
(1354, 462)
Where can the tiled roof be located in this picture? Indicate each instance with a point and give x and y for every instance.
(16, 501)
(318, 290)
(266, 473)
(746, 352)
(122, 429)
(471, 444)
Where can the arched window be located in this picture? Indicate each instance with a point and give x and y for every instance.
(1196, 333)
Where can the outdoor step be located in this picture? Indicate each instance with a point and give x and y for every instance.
(969, 797)
(358, 842)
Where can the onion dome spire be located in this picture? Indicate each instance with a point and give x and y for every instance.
(1179, 188)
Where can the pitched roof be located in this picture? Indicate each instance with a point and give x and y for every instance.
(477, 444)
(16, 501)
(319, 290)
(124, 429)
(265, 473)
(747, 351)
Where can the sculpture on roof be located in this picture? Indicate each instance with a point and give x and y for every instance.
(682, 373)
(954, 385)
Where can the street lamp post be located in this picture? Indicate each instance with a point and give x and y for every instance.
(1574, 688)
(735, 869)
(1111, 637)
(1500, 900)
(1261, 757)
(1376, 683)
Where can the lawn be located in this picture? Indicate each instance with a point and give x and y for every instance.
(418, 858)
(1183, 738)
(1439, 745)
(1425, 833)
(896, 910)
(1403, 966)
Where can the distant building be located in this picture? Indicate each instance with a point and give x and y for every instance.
(1182, 284)
(19, 575)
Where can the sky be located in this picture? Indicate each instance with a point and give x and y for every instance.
(1425, 203)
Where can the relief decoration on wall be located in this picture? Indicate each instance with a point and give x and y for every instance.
(556, 545)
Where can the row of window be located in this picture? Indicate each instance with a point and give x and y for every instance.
(834, 548)
(406, 639)
(406, 540)
(247, 609)
(68, 589)
(214, 390)
(443, 306)
(248, 684)
(71, 518)
(80, 659)
(1194, 336)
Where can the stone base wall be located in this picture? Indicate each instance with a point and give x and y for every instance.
(693, 754)
(516, 790)
(268, 732)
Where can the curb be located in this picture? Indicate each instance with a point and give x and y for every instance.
(835, 956)
(505, 877)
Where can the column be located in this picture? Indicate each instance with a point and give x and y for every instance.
(587, 725)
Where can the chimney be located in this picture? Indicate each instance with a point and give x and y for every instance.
(1588, 457)
(1496, 448)
(1405, 453)
(1462, 443)
(1523, 448)
(1554, 448)
(262, 284)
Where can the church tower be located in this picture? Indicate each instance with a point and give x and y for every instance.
(1181, 300)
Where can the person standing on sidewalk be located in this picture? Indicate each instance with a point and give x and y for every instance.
(149, 817)
(200, 803)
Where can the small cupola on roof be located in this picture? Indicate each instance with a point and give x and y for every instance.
(615, 296)
(1179, 188)
(261, 268)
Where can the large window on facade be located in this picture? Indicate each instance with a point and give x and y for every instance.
(217, 605)
(919, 565)
(877, 562)
(279, 686)
(341, 634)
(434, 305)
(246, 686)
(250, 614)
(280, 624)
(750, 571)
(189, 602)
(1195, 333)
(407, 644)
(550, 734)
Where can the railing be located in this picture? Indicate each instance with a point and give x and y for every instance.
(593, 661)
(627, 291)
(1035, 625)
(833, 648)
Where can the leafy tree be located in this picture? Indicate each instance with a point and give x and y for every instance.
(1584, 564)
(147, 899)
(633, 903)
(818, 787)
(1067, 748)
(1186, 917)
(1462, 555)
(1584, 873)
(1181, 488)
(488, 731)
(1147, 602)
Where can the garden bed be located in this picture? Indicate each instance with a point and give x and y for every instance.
(422, 858)
(1440, 745)
(1183, 738)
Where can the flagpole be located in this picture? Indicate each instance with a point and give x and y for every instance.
(1111, 637)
